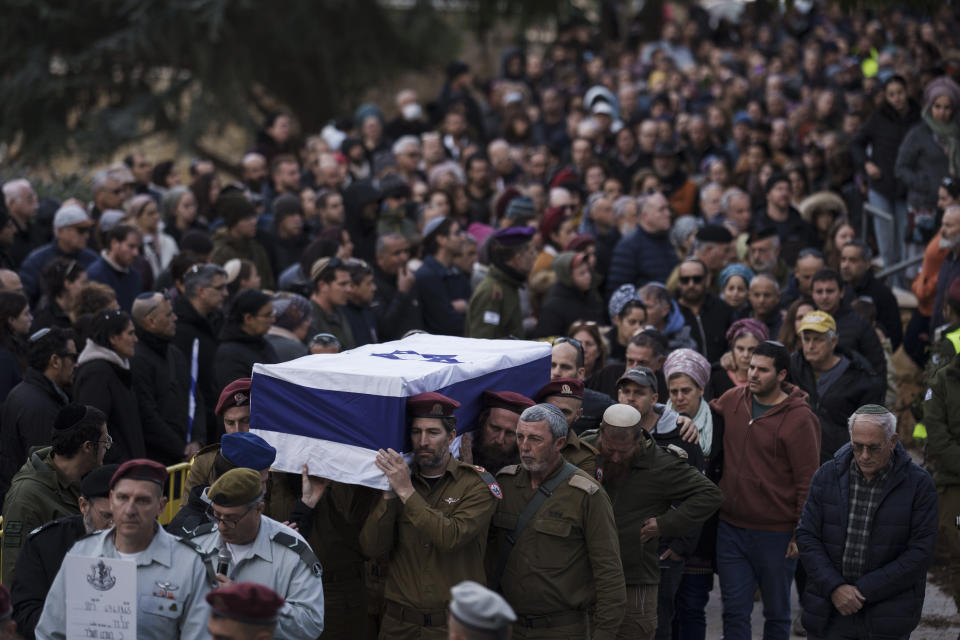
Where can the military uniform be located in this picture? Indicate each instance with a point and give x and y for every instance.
(201, 468)
(434, 541)
(663, 485)
(281, 559)
(37, 566)
(38, 494)
(332, 529)
(566, 561)
(580, 454)
(494, 310)
(171, 583)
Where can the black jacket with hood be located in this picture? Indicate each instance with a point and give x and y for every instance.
(565, 303)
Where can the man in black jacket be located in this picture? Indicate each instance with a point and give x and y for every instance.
(199, 320)
(707, 316)
(855, 332)
(31, 407)
(395, 302)
(161, 382)
(47, 545)
(855, 267)
(836, 380)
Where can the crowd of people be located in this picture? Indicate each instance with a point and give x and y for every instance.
(697, 224)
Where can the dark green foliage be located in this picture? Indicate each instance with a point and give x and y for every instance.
(84, 77)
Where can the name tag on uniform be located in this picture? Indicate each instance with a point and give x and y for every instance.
(491, 317)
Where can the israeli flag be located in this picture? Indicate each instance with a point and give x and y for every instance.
(334, 411)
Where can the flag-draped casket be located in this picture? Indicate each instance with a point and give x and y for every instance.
(334, 411)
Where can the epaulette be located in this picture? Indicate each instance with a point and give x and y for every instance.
(584, 484)
(300, 548)
(199, 530)
(207, 449)
(488, 480)
(509, 470)
(44, 527)
(677, 451)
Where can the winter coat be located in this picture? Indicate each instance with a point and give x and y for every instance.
(941, 415)
(437, 287)
(192, 326)
(104, 380)
(494, 310)
(286, 344)
(857, 386)
(709, 327)
(857, 334)
(921, 166)
(565, 303)
(27, 421)
(900, 549)
(883, 133)
(396, 312)
(161, 382)
(768, 462)
(127, 284)
(237, 354)
(640, 257)
(34, 263)
(888, 311)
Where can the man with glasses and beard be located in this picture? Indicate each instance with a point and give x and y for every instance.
(655, 494)
(706, 315)
(495, 442)
(46, 546)
(432, 525)
(247, 546)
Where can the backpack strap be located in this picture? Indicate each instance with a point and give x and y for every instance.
(545, 491)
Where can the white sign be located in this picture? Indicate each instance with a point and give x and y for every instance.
(101, 598)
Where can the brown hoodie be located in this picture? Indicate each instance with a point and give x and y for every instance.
(768, 462)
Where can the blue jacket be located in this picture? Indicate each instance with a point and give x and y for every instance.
(639, 258)
(126, 284)
(34, 263)
(902, 540)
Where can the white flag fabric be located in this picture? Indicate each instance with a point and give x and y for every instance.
(333, 411)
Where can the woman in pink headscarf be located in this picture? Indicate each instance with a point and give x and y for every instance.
(743, 336)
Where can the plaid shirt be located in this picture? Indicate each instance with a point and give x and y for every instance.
(864, 500)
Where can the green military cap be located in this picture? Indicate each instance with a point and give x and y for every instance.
(235, 488)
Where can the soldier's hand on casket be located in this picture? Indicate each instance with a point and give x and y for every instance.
(312, 487)
(398, 473)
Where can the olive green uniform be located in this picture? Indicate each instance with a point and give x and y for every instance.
(663, 485)
(580, 454)
(334, 537)
(38, 493)
(494, 309)
(434, 541)
(565, 562)
(201, 468)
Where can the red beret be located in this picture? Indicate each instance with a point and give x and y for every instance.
(235, 394)
(580, 242)
(507, 400)
(563, 176)
(431, 405)
(563, 387)
(246, 602)
(552, 218)
(140, 469)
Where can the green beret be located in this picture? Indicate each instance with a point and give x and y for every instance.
(235, 488)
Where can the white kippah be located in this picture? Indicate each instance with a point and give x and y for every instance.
(621, 415)
(476, 606)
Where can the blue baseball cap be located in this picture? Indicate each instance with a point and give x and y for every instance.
(244, 449)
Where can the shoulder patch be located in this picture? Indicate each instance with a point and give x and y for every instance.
(509, 470)
(675, 450)
(584, 484)
(199, 530)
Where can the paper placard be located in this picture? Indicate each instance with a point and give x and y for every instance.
(101, 598)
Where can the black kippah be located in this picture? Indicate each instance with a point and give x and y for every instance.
(69, 416)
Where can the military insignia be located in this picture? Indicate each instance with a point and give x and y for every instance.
(599, 474)
(100, 577)
(316, 569)
(495, 490)
(167, 586)
(566, 390)
(436, 410)
(166, 590)
(451, 500)
(240, 398)
(173, 607)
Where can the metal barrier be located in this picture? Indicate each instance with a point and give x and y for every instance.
(175, 483)
(884, 215)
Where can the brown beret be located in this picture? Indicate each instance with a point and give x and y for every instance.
(431, 405)
(508, 400)
(235, 394)
(236, 488)
(140, 469)
(563, 387)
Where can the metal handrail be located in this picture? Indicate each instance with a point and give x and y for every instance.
(900, 266)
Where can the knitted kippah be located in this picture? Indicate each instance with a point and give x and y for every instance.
(872, 409)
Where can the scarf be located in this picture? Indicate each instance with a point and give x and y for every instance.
(704, 423)
(947, 136)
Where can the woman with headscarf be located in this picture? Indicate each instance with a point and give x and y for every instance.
(743, 336)
(628, 314)
(734, 284)
(572, 297)
(930, 152)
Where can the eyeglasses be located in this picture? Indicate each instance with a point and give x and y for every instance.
(689, 279)
(108, 441)
(872, 449)
(227, 522)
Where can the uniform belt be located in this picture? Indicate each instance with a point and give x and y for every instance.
(415, 616)
(552, 620)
